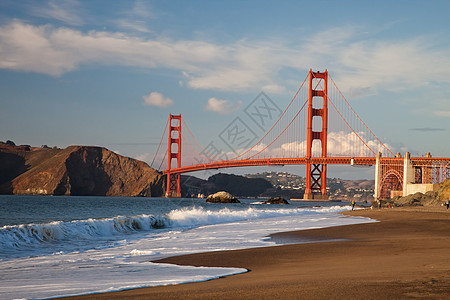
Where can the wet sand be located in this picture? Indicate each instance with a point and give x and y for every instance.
(404, 256)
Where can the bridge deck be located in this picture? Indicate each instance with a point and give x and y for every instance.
(365, 161)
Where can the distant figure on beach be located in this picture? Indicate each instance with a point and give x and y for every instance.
(379, 203)
(447, 203)
(353, 204)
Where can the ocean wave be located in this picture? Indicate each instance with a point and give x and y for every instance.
(26, 235)
(199, 216)
(19, 236)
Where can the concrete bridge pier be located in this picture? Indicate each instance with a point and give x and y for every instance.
(413, 184)
(377, 190)
(411, 178)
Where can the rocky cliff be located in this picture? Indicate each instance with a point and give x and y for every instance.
(76, 170)
(440, 194)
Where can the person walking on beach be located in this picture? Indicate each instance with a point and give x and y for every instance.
(353, 204)
(447, 203)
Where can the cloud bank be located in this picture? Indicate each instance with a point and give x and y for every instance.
(364, 65)
(339, 143)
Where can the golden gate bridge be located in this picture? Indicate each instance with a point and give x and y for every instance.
(318, 128)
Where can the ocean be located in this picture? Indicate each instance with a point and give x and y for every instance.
(54, 246)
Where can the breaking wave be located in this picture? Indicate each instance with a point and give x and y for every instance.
(29, 235)
(25, 235)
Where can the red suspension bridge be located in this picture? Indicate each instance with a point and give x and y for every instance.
(318, 128)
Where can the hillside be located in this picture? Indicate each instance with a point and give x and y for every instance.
(290, 185)
(76, 170)
(237, 185)
(275, 184)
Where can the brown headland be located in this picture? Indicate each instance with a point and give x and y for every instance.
(75, 170)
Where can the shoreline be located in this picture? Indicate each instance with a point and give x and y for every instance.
(404, 255)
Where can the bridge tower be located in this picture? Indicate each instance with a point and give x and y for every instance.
(317, 116)
(174, 152)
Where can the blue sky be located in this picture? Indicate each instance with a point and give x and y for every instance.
(108, 73)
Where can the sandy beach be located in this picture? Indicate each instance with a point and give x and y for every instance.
(404, 256)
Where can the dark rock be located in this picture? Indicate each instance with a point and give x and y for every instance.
(11, 143)
(276, 200)
(222, 197)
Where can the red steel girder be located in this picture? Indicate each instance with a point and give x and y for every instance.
(368, 161)
(339, 160)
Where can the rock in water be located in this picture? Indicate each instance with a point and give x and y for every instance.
(276, 200)
(222, 197)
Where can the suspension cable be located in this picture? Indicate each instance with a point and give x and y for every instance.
(384, 146)
(350, 126)
(160, 142)
(165, 154)
(344, 118)
(257, 143)
(189, 144)
(281, 132)
(206, 152)
(270, 130)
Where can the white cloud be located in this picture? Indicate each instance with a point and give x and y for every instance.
(442, 113)
(55, 51)
(223, 107)
(29, 48)
(338, 144)
(361, 65)
(394, 65)
(157, 99)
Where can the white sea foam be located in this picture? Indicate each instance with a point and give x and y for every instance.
(70, 269)
(23, 236)
(19, 237)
